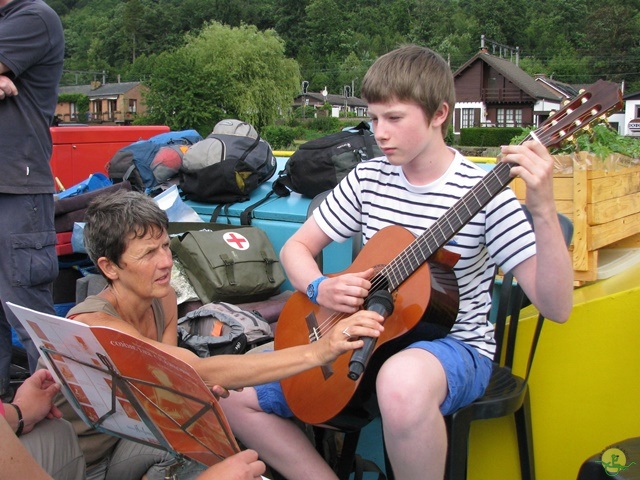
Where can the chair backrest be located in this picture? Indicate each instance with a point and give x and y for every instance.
(511, 300)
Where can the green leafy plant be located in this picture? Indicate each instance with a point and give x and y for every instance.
(601, 140)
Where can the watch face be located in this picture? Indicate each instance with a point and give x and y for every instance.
(310, 290)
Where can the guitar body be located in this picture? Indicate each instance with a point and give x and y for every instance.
(425, 307)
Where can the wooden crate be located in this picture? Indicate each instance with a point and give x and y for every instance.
(603, 204)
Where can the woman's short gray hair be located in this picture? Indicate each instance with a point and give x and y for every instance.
(112, 220)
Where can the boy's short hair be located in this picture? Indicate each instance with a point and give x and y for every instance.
(412, 73)
(113, 220)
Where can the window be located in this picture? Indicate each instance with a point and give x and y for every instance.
(133, 105)
(509, 117)
(467, 117)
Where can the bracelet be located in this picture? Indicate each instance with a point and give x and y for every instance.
(20, 419)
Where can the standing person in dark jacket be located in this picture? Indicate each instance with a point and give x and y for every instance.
(31, 57)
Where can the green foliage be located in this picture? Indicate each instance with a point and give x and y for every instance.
(325, 124)
(335, 42)
(449, 139)
(280, 137)
(602, 141)
(304, 111)
(488, 137)
(222, 73)
(81, 101)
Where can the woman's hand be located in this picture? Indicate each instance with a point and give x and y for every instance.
(346, 335)
(241, 466)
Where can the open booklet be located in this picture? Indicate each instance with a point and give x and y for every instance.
(126, 387)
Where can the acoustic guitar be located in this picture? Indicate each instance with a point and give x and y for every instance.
(418, 272)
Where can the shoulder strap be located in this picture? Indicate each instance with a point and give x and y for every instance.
(245, 216)
(367, 135)
(216, 212)
(158, 315)
(278, 188)
(93, 304)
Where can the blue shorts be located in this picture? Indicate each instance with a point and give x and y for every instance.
(467, 372)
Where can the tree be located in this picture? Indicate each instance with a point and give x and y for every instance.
(222, 72)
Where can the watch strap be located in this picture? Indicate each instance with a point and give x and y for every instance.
(312, 289)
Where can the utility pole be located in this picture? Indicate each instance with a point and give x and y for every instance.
(347, 94)
(305, 86)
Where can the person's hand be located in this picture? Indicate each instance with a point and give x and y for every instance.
(345, 293)
(345, 335)
(7, 87)
(534, 165)
(241, 466)
(221, 392)
(35, 399)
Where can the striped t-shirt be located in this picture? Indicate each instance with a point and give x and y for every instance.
(376, 194)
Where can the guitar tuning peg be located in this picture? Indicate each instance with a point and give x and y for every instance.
(552, 113)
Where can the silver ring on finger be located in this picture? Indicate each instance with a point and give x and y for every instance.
(346, 333)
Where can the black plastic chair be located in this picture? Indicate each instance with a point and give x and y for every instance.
(507, 393)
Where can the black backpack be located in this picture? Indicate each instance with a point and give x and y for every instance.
(225, 168)
(320, 164)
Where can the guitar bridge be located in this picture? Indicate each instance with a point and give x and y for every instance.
(314, 336)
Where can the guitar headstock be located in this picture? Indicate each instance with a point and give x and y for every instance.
(599, 100)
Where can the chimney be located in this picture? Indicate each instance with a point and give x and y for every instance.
(483, 47)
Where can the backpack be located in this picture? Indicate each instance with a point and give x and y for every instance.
(206, 333)
(319, 165)
(222, 328)
(135, 162)
(235, 127)
(226, 167)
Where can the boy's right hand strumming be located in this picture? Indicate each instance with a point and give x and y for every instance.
(345, 293)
